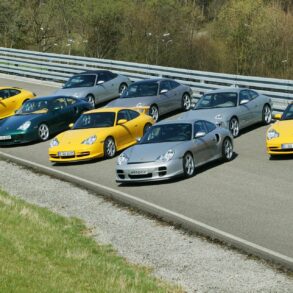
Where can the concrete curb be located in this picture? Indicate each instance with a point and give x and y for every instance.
(158, 211)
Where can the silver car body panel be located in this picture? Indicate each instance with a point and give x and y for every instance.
(247, 114)
(102, 92)
(143, 165)
(167, 102)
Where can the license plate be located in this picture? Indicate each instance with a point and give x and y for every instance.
(138, 172)
(65, 154)
(5, 137)
(287, 146)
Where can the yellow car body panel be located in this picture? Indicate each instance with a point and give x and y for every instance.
(277, 146)
(124, 136)
(11, 99)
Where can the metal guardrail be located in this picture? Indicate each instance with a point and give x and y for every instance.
(58, 68)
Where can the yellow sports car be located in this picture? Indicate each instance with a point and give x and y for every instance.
(280, 134)
(11, 99)
(99, 133)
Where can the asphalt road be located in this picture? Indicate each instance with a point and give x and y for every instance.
(250, 197)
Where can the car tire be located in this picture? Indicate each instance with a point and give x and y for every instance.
(146, 128)
(43, 132)
(154, 112)
(266, 114)
(234, 126)
(188, 165)
(91, 99)
(109, 148)
(227, 150)
(186, 102)
(122, 88)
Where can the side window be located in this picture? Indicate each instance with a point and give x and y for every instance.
(111, 75)
(105, 76)
(101, 76)
(199, 127)
(70, 101)
(165, 85)
(253, 94)
(210, 126)
(244, 95)
(133, 114)
(4, 94)
(173, 84)
(13, 92)
(123, 114)
(59, 104)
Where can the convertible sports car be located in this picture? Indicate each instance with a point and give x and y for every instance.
(11, 99)
(173, 148)
(160, 95)
(99, 133)
(95, 86)
(280, 135)
(233, 108)
(39, 118)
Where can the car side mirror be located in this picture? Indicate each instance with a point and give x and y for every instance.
(277, 116)
(200, 134)
(121, 121)
(243, 102)
(71, 125)
(163, 91)
(100, 82)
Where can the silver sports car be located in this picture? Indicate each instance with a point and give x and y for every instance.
(174, 148)
(233, 108)
(160, 95)
(95, 86)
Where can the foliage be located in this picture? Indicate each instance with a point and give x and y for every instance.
(246, 36)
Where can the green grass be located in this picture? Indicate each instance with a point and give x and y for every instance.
(43, 252)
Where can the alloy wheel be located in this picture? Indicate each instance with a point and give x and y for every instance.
(234, 127)
(43, 132)
(188, 164)
(186, 102)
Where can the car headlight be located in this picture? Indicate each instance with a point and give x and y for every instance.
(54, 142)
(219, 117)
(167, 156)
(90, 140)
(122, 159)
(24, 126)
(272, 133)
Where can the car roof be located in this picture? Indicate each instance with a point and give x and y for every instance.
(52, 98)
(179, 121)
(93, 72)
(151, 80)
(227, 89)
(111, 109)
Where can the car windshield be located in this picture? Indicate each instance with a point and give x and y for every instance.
(83, 80)
(95, 120)
(288, 113)
(35, 107)
(168, 133)
(217, 100)
(141, 89)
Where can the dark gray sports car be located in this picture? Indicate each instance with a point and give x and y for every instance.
(233, 108)
(160, 95)
(173, 148)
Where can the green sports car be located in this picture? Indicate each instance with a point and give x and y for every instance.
(37, 119)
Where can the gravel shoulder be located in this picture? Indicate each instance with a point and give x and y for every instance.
(190, 261)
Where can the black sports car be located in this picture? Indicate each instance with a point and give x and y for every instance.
(37, 119)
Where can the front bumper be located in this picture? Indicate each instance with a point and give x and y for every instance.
(17, 137)
(151, 171)
(278, 147)
(83, 153)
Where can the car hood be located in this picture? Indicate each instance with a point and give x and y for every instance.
(13, 122)
(74, 92)
(76, 136)
(132, 102)
(142, 153)
(208, 114)
(284, 127)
